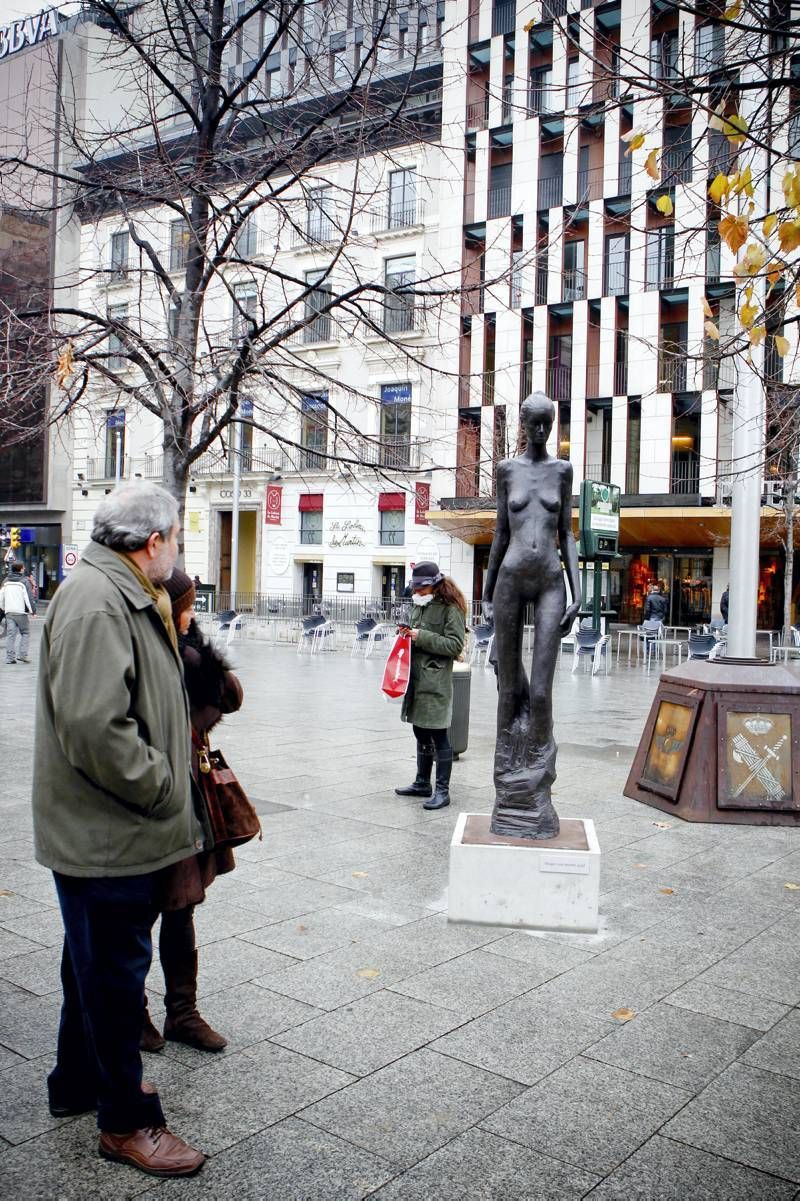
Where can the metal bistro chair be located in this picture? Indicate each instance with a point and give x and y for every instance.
(229, 624)
(309, 633)
(481, 639)
(381, 632)
(363, 630)
(591, 643)
(648, 632)
(568, 641)
(703, 646)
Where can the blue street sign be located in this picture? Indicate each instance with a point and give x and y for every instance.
(245, 408)
(116, 419)
(395, 394)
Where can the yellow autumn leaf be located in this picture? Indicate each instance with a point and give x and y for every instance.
(665, 206)
(650, 164)
(791, 187)
(792, 887)
(734, 11)
(719, 188)
(751, 262)
(757, 335)
(368, 973)
(735, 128)
(770, 222)
(623, 1014)
(667, 891)
(707, 310)
(743, 182)
(781, 345)
(711, 331)
(529, 26)
(734, 231)
(663, 825)
(748, 314)
(774, 273)
(634, 138)
(715, 121)
(789, 234)
(359, 875)
(797, 296)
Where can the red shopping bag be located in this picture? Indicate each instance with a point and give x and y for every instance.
(398, 669)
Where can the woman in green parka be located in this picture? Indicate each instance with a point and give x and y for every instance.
(438, 630)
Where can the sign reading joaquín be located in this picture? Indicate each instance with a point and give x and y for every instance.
(27, 32)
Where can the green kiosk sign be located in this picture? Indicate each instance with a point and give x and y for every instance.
(599, 520)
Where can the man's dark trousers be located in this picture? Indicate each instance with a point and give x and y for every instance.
(107, 951)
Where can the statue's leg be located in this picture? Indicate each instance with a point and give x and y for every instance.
(541, 756)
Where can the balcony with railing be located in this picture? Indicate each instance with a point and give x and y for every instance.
(487, 388)
(559, 383)
(624, 176)
(599, 470)
(397, 314)
(593, 381)
(719, 373)
(676, 164)
(672, 371)
(574, 284)
(685, 475)
(721, 155)
(616, 272)
(315, 229)
(549, 193)
(478, 114)
(498, 202)
(590, 184)
(540, 295)
(621, 378)
(553, 9)
(398, 214)
(517, 285)
(320, 329)
(525, 380)
(504, 17)
(632, 477)
(660, 259)
(543, 98)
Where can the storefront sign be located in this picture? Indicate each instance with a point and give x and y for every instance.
(274, 503)
(422, 502)
(279, 557)
(69, 557)
(346, 533)
(29, 32)
(599, 519)
(345, 581)
(227, 493)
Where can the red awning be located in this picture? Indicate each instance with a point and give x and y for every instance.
(310, 502)
(391, 500)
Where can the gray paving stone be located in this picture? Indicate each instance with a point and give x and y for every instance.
(779, 1049)
(216, 920)
(29, 1024)
(724, 1003)
(63, 1165)
(471, 984)
(386, 910)
(23, 1101)
(280, 901)
(663, 1170)
(767, 966)
(549, 958)
(366, 1035)
(412, 1107)
(238, 1095)
(746, 1115)
(9, 1059)
(292, 1160)
(338, 977)
(38, 972)
(315, 933)
(434, 940)
(13, 905)
(588, 1114)
(521, 1040)
(43, 926)
(666, 1043)
(12, 945)
(718, 924)
(478, 1166)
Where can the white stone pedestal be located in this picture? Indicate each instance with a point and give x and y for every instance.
(548, 885)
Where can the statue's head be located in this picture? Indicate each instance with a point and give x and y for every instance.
(537, 414)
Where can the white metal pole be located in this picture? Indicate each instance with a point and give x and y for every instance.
(237, 483)
(118, 454)
(748, 467)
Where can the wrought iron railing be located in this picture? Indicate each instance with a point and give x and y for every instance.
(549, 193)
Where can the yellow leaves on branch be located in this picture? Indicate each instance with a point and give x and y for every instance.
(711, 331)
(791, 187)
(742, 181)
(757, 335)
(770, 222)
(707, 310)
(751, 261)
(781, 345)
(651, 166)
(64, 365)
(635, 139)
(734, 232)
(774, 273)
(734, 11)
(719, 188)
(789, 234)
(665, 206)
(735, 129)
(731, 185)
(748, 313)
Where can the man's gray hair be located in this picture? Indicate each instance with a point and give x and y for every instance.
(127, 517)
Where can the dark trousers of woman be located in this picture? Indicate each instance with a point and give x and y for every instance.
(178, 954)
(435, 742)
(105, 960)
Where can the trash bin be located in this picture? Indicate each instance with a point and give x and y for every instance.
(459, 727)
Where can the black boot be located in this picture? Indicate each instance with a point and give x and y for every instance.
(444, 766)
(422, 784)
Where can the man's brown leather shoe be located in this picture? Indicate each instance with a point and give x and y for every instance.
(155, 1150)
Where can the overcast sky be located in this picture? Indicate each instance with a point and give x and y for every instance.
(10, 10)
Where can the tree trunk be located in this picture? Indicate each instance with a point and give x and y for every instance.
(176, 479)
(788, 571)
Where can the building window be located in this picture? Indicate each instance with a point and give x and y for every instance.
(117, 359)
(245, 304)
(311, 519)
(399, 277)
(574, 270)
(319, 215)
(616, 265)
(402, 198)
(392, 507)
(246, 239)
(120, 243)
(115, 442)
(395, 444)
(314, 430)
(499, 203)
(318, 297)
(660, 263)
(179, 237)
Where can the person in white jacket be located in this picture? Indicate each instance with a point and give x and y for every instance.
(15, 600)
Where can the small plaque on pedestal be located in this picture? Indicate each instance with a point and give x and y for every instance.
(548, 884)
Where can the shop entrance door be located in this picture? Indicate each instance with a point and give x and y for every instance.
(393, 581)
(312, 587)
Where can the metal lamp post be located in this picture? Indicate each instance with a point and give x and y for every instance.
(245, 413)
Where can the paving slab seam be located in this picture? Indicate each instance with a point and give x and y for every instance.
(721, 1155)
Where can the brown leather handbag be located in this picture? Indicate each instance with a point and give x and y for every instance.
(230, 817)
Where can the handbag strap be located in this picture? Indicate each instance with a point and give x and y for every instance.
(203, 747)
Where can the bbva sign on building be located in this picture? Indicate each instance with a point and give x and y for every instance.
(29, 31)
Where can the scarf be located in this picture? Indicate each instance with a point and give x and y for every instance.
(159, 595)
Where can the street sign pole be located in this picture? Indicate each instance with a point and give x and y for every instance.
(237, 485)
(118, 455)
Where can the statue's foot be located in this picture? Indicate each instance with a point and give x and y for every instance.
(540, 821)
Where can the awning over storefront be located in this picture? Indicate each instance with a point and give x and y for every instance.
(678, 526)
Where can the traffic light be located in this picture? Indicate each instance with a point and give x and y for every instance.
(16, 541)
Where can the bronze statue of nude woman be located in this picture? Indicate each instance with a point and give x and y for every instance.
(534, 508)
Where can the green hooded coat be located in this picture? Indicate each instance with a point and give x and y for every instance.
(429, 700)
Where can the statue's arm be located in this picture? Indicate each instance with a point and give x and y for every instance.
(499, 542)
(569, 551)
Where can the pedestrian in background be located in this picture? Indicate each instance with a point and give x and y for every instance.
(112, 807)
(15, 600)
(438, 631)
(656, 605)
(213, 690)
(723, 604)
